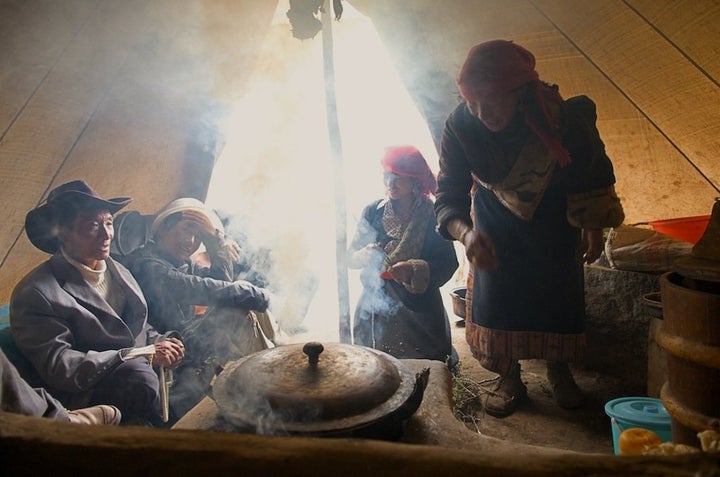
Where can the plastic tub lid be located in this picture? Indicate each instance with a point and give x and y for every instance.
(638, 410)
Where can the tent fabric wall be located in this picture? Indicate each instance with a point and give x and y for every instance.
(118, 92)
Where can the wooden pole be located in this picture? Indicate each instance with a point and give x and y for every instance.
(337, 159)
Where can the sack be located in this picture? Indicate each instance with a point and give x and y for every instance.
(643, 250)
(249, 336)
(272, 334)
(225, 333)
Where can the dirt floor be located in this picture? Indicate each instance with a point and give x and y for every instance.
(538, 421)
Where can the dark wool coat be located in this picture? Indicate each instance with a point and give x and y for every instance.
(173, 288)
(388, 316)
(537, 290)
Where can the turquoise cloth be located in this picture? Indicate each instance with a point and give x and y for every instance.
(4, 316)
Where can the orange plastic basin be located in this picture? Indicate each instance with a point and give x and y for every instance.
(689, 229)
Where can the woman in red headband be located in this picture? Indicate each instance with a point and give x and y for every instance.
(526, 186)
(404, 263)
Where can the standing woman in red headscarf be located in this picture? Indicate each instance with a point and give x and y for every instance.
(404, 263)
(526, 186)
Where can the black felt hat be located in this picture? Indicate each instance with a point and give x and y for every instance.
(41, 223)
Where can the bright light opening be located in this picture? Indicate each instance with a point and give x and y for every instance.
(276, 172)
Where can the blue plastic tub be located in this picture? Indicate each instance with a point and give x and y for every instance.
(643, 412)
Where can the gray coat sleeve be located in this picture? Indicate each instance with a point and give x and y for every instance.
(47, 341)
(18, 397)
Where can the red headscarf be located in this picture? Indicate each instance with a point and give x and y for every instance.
(409, 162)
(499, 66)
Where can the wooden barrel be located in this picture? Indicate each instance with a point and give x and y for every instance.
(690, 334)
(657, 357)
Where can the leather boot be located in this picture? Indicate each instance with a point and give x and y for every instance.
(507, 394)
(101, 414)
(567, 393)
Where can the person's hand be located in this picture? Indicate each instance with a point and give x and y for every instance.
(592, 244)
(372, 248)
(169, 353)
(480, 250)
(204, 227)
(368, 254)
(250, 296)
(401, 272)
(262, 302)
(233, 250)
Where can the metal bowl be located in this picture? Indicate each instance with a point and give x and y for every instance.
(458, 301)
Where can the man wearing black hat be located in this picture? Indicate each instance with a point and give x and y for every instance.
(81, 318)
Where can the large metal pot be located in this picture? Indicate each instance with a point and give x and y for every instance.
(313, 389)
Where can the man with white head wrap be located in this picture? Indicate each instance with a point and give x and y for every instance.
(176, 284)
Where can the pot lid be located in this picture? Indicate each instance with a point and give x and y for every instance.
(312, 388)
(638, 411)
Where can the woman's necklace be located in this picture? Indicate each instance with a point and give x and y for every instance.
(403, 210)
(395, 222)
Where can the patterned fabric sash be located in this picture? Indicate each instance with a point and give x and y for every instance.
(523, 188)
(413, 238)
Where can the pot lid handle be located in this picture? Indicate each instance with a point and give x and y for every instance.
(313, 350)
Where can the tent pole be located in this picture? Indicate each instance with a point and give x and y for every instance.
(339, 176)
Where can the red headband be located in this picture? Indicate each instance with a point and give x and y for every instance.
(499, 66)
(408, 161)
(495, 67)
